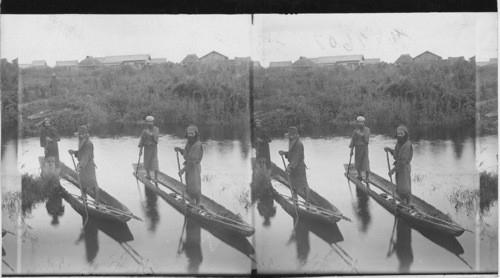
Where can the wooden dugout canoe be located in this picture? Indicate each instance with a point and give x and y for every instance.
(420, 214)
(213, 214)
(328, 212)
(122, 214)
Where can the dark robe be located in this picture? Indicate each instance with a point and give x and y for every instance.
(150, 143)
(85, 155)
(403, 153)
(360, 144)
(51, 146)
(295, 156)
(193, 153)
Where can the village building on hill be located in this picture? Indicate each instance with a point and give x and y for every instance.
(157, 61)
(90, 63)
(404, 59)
(190, 59)
(283, 65)
(303, 64)
(67, 65)
(39, 64)
(137, 61)
(371, 61)
(213, 57)
(348, 61)
(427, 57)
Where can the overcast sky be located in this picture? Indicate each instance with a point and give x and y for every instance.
(270, 38)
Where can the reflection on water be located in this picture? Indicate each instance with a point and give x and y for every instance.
(55, 207)
(151, 209)
(301, 238)
(266, 209)
(362, 210)
(402, 246)
(192, 245)
(89, 235)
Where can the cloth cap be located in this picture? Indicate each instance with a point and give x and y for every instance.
(192, 128)
(46, 119)
(360, 119)
(82, 129)
(292, 131)
(258, 121)
(150, 118)
(402, 128)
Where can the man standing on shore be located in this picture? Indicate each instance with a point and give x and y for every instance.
(359, 143)
(193, 153)
(149, 141)
(86, 166)
(402, 153)
(296, 168)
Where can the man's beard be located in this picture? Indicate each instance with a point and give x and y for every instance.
(192, 139)
(291, 142)
(402, 140)
(81, 141)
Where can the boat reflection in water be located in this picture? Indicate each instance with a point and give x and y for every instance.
(151, 209)
(362, 210)
(118, 231)
(402, 246)
(260, 193)
(192, 245)
(55, 206)
(301, 238)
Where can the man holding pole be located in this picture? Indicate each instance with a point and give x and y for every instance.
(149, 141)
(359, 143)
(402, 153)
(192, 153)
(296, 168)
(86, 166)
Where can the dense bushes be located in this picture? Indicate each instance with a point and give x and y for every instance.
(8, 84)
(171, 93)
(432, 94)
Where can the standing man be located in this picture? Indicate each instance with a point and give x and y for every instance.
(402, 153)
(48, 140)
(261, 144)
(296, 168)
(359, 142)
(192, 153)
(86, 166)
(149, 140)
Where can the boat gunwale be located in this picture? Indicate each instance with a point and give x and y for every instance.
(242, 229)
(451, 228)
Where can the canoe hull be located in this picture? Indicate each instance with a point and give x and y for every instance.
(280, 175)
(177, 202)
(68, 174)
(416, 221)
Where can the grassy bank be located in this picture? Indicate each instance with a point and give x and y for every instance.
(440, 94)
(435, 95)
(172, 93)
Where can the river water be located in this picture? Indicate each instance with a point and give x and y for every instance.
(51, 239)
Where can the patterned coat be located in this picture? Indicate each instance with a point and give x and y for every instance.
(360, 144)
(149, 140)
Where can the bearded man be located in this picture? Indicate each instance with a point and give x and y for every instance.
(296, 168)
(86, 166)
(192, 153)
(402, 153)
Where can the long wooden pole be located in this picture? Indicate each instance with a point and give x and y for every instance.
(291, 192)
(390, 177)
(81, 189)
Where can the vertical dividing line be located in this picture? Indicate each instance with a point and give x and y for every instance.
(18, 207)
(253, 267)
(477, 229)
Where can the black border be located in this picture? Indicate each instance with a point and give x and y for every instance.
(241, 6)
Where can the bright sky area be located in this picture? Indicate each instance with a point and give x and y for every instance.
(270, 38)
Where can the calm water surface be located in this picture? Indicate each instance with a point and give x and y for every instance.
(440, 167)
